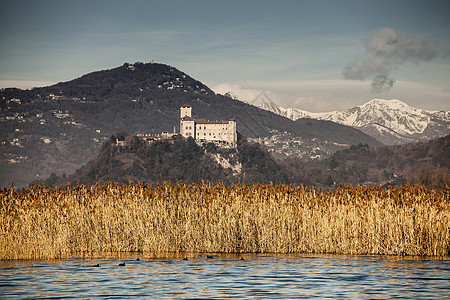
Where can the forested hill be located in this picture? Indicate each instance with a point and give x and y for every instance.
(426, 163)
(173, 160)
(58, 129)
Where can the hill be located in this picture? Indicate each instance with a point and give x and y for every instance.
(58, 129)
(173, 160)
(426, 163)
(183, 159)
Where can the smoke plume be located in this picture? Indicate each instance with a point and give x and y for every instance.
(382, 83)
(386, 51)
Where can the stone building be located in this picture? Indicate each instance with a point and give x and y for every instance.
(221, 133)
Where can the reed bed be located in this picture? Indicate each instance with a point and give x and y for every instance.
(44, 223)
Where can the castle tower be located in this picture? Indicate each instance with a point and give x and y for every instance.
(187, 124)
(186, 111)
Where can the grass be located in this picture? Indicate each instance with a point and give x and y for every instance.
(44, 223)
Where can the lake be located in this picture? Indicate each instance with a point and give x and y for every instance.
(228, 276)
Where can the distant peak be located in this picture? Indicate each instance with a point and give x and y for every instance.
(386, 102)
(379, 100)
(263, 100)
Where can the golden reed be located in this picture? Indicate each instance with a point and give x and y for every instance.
(42, 223)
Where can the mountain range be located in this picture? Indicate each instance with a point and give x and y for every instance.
(59, 128)
(388, 121)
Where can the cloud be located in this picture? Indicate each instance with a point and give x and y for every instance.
(238, 91)
(387, 50)
(311, 95)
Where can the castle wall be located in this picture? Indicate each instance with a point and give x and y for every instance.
(207, 131)
(187, 127)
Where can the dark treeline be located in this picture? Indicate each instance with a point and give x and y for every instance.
(173, 160)
(183, 159)
(425, 163)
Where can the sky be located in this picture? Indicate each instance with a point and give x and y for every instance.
(312, 55)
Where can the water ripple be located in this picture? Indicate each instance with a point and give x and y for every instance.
(226, 276)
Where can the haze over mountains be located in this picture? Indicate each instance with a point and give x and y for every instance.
(388, 121)
(58, 129)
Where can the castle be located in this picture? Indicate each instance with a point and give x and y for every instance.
(221, 133)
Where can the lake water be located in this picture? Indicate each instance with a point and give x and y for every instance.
(227, 276)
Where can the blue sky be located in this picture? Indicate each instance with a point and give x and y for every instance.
(295, 51)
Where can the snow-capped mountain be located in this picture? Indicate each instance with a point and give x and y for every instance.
(389, 121)
(392, 121)
(231, 95)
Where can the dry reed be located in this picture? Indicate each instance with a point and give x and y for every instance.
(41, 223)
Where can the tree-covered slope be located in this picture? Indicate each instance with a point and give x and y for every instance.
(426, 163)
(173, 160)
